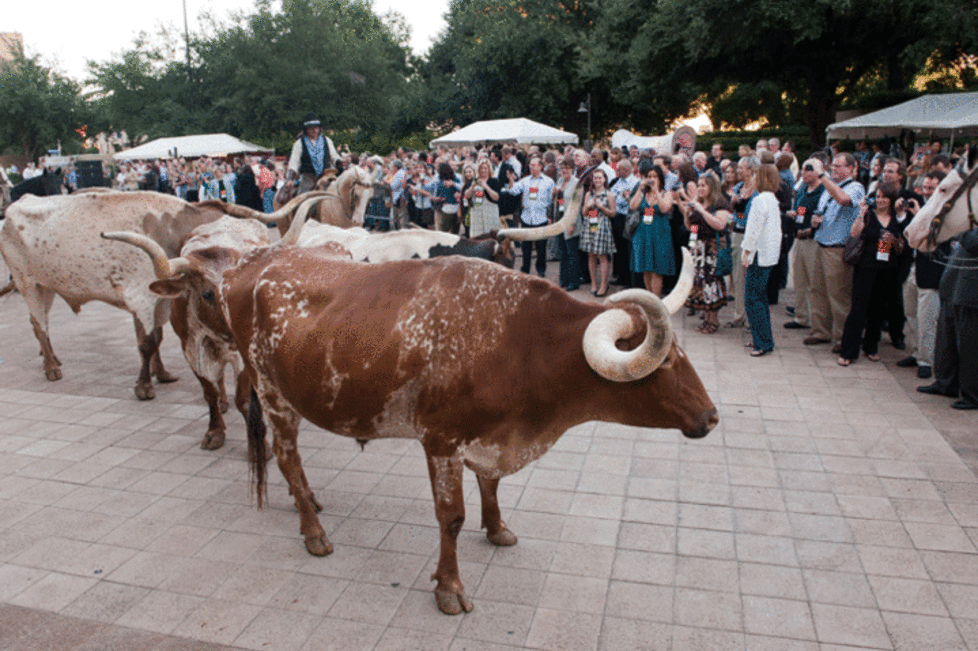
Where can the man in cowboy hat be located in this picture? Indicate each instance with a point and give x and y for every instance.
(312, 154)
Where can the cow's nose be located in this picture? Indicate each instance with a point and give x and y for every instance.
(710, 419)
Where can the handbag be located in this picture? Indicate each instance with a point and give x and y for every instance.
(724, 266)
(853, 251)
(631, 224)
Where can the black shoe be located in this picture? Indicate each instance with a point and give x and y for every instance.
(934, 390)
(794, 325)
(908, 362)
(964, 404)
(924, 372)
(900, 344)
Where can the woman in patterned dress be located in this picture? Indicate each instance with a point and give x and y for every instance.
(652, 250)
(483, 197)
(597, 239)
(707, 213)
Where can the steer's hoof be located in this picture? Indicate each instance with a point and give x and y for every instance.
(165, 377)
(504, 538)
(452, 603)
(318, 545)
(53, 374)
(144, 392)
(213, 440)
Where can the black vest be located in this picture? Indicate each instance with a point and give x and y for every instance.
(305, 163)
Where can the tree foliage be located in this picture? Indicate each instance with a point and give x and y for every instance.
(644, 64)
(506, 58)
(38, 108)
(732, 53)
(257, 76)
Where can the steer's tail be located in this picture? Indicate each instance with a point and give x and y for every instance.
(257, 454)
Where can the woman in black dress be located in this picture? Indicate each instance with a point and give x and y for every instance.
(882, 237)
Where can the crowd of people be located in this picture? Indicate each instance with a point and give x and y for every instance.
(833, 223)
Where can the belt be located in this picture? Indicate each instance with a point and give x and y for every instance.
(831, 246)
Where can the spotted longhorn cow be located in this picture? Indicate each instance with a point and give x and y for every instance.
(485, 366)
(52, 248)
(209, 352)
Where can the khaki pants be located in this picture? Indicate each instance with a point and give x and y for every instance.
(737, 275)
(802, 272)
(831, 293)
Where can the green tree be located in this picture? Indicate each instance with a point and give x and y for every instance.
(506, 58)
(256, 76)
(743, 55)
(38, 107)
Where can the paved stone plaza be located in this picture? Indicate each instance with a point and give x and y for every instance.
(833, 508)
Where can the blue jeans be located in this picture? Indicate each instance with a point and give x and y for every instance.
(267, 198)
(756, 306)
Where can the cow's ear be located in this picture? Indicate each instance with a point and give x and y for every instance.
(168, 288)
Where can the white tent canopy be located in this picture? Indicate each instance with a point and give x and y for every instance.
(953, 114)
(513, 131)
(210, 144)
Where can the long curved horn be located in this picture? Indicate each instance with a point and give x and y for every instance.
(244, 212)
(571, 210)
(677, 297)
(611, 325)
(163, 266)
(291, 236)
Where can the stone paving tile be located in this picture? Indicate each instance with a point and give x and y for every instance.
(831, 508)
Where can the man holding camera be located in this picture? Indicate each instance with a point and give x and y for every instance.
(831, 284)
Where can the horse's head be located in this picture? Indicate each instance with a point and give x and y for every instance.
(950, 211)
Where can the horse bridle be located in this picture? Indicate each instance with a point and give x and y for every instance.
(935, 225)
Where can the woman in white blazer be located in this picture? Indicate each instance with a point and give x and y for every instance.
(761, 247)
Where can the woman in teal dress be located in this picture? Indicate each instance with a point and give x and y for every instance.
(652, 250)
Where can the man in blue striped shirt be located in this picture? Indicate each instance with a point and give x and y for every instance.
(831, 288)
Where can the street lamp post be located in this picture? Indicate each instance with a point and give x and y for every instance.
(586, 108)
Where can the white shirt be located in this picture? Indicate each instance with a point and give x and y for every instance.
(762, 237)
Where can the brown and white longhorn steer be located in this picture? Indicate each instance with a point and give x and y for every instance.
(486, 367)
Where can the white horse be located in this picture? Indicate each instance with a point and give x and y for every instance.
(951, 209)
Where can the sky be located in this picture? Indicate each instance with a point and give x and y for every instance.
(99, 30)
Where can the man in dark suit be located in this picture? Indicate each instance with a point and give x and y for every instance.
(956, 349)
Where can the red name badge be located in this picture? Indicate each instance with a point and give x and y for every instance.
(593, 213)
(533, 193)
(883, 251)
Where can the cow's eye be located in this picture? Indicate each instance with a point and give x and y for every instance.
(208, 295)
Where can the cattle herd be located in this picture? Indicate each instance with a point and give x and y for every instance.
(409, 334)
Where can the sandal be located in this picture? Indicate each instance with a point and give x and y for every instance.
(844, 362)
(760, 353)
(872, 358)
(708, 328)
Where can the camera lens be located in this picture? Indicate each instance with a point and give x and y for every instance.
(809, 167)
